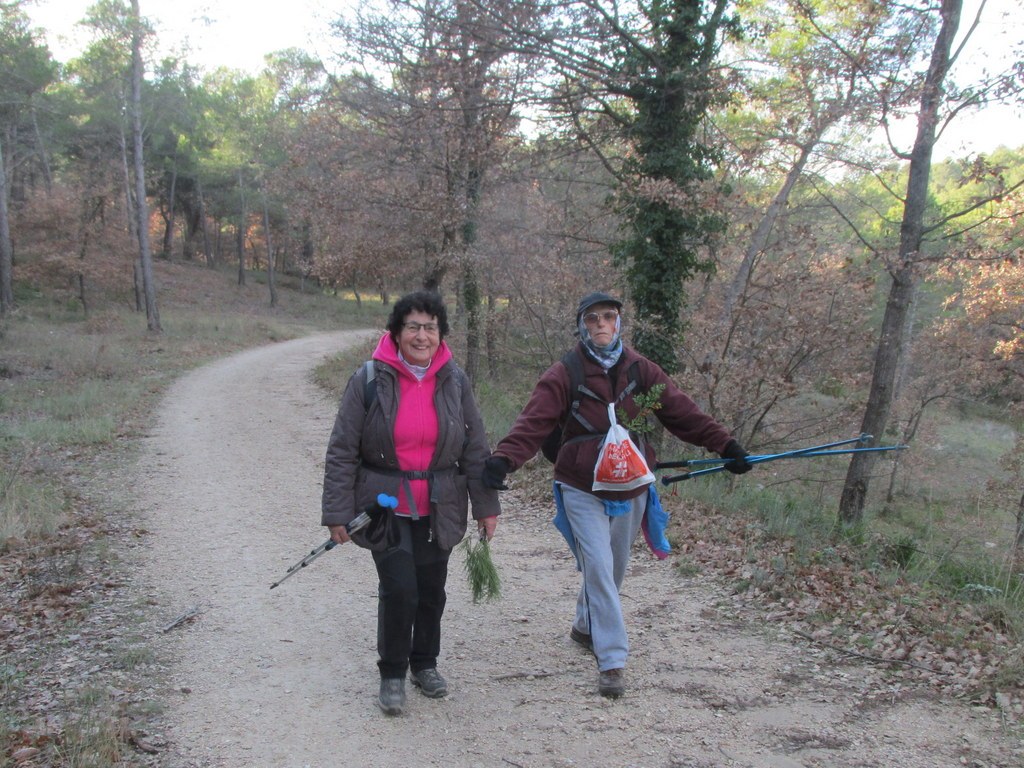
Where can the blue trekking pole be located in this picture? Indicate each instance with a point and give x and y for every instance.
(812, 451)
(384, 505)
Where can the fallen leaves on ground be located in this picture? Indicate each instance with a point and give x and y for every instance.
(926, 638)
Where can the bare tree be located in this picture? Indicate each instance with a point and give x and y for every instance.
(448, 107)
(141, 207)
(271, 275)
(905, 271)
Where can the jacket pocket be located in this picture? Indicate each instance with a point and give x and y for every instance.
(449, 497)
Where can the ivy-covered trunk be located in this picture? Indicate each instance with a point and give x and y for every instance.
(662, 198)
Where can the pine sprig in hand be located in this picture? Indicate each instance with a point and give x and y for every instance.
(648, 403)
(483, 575)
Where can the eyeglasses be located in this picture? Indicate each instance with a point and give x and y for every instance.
(594, 318)
(411, 327)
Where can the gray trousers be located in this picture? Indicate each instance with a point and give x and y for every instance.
(603, 544)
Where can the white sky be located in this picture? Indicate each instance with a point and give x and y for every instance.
(233, 33)
(237, 34)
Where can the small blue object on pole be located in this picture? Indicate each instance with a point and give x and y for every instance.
(811, 452)
(384, 504)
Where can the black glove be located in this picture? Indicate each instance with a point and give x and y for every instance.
(739, 464)
(495, 470)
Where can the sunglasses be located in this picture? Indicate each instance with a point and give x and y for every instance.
(609, 316)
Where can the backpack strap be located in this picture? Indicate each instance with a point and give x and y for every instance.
(370, 385)
(633, 379)
(573, 362)
(577, 389)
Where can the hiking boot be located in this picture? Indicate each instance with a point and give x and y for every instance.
(392, 695)
(430, 683)
(611, 682)
(582, 638)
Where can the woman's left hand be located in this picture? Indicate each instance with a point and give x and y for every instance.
(487, 526)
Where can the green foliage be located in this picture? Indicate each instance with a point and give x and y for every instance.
(26, 67)
(686, 568)
(499, 405)
(648, 402)
(92, 738)
(667, 221)
(484, 581)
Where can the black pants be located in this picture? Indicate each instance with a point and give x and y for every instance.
(411, 600)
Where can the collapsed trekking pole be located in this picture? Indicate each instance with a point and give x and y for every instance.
(812, 451)
(750, 459)
(863, 438)
(384, 504)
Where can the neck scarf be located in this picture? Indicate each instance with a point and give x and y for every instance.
(606, 356)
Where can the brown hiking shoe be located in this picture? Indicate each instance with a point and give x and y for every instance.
(582, 638)
(611, 682)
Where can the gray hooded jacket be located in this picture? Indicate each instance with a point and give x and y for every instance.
(362, 463)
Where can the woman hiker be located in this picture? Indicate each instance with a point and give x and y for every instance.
(408, 425)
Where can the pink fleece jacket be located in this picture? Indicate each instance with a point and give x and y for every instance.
(416, 422)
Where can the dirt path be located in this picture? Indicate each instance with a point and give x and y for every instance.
(230, 482)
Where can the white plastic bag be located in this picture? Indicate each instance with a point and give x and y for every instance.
(620, 464)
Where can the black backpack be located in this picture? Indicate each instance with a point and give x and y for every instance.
(574, 364)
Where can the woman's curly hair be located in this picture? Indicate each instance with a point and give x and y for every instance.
(428, 302)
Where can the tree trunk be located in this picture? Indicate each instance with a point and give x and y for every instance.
(270, 252)
(169, 221)
(437, 267)
(44, 160)
(132, 218)
(471, 299)
(240, 232)
(6, 248)
(145, 257)
(207, 249)
(905, 274)
(491, 336)
(764, 228)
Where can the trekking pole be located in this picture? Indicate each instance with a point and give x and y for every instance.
(814, 450)
(762, 458)
(384, 504)
(853, 450)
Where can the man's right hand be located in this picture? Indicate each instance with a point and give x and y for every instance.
(495, 471)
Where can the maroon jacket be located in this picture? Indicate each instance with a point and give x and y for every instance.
(550, 402)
